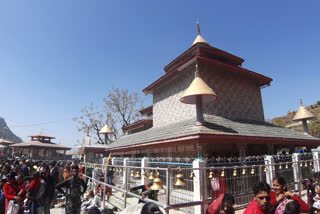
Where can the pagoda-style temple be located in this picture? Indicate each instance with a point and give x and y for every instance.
(232, 124)
(40, 147)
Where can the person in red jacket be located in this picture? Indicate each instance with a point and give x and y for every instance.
(261, 201)
(282, 196)
(11, 190)
(218, 184)
(223, 205)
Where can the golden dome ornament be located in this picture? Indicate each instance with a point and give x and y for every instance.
(179, 179)
(157, 183)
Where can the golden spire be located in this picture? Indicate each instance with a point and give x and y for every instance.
(303, 113)
(199, 38)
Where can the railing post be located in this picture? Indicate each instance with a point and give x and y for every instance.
(125, 180)
(270, 174)
(199, 185)
(144, 163)
(296, 159)
(316, 165)
(168, 187)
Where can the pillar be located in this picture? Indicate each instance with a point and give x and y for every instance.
(31, 152)
(200, 185)
(316, 159)
(144, 163)
(126, 173)
(297, 170)
(270, 174)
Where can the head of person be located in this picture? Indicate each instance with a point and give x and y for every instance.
(35, 175)
(227, 204)
(261, 191)
(20, 179)
(150, 208)
(5, 169)
(292, 207)
(2, 182)
(11, 177)
(53, 164)
(75, 171)
(279, 185)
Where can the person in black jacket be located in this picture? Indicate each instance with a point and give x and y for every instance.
(146, 192)
(74, 188)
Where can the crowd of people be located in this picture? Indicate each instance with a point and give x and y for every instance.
(36, 186)
(275, 200)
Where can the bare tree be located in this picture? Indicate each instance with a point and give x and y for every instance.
(120, 109)
(123, 105)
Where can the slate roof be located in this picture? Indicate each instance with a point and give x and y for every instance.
(215, 125)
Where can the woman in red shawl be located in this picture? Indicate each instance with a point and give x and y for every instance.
(11, 190)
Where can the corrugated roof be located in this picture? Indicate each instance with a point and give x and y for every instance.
(214, 125)
(38, 144)
(5, 142)
(42, 135)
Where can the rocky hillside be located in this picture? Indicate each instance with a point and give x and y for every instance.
(6, 133)
(314, 125)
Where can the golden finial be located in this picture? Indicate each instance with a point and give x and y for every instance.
(198, 26)
(301, 101)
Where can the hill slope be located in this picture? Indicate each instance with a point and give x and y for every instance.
(6, 133)
(314, 125)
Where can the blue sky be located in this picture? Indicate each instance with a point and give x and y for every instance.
(58, 56)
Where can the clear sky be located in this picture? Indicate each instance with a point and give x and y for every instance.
(58, 56)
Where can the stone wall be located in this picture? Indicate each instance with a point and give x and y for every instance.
(238, 96)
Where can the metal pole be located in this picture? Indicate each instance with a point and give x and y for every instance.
(168, 186)
(125, 186)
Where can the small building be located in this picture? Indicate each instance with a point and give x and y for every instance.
(234, 125)
(40, 147)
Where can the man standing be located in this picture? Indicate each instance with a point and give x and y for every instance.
(74, 188)
(261, 201)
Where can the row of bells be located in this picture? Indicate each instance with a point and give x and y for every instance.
(252, 171)
(180, 178)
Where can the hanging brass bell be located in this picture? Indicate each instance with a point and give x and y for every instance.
(310, 163)
(243, 171)
(144, 175)
(280, 166)
(114, 169)
(157, 183)
(138, 175)
(252, 171)
(286, 166)
(117, 169)
(132, 173)
(306, 164)
(151, 176)
(222, 173)
(265, 169)
(110, 169)
(179, 179)
(210, 174)
(235, 172)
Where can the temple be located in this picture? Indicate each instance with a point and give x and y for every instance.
(232, 125)
(40, 147)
